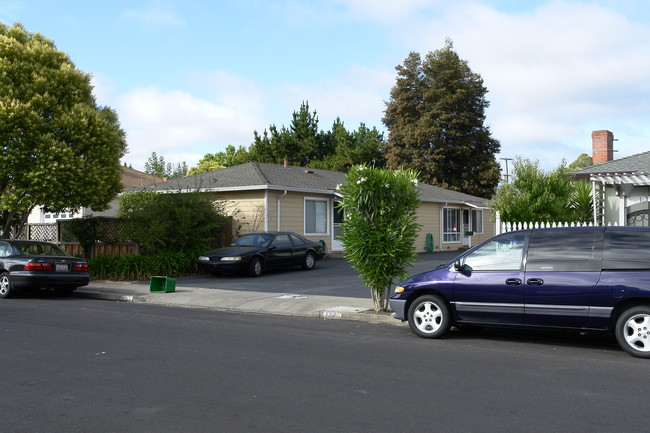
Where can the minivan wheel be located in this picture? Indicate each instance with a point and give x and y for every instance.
(428, 317)
(633, 331)
(5, 285)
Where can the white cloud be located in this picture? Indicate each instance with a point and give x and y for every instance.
(356, 96)
(553, 73)
(179, 125)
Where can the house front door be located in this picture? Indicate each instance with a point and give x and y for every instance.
(465, 228)
(337, 220)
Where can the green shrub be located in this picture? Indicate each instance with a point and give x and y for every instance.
(102, 267)
(380, 226)
(130, 267)
(173, 222)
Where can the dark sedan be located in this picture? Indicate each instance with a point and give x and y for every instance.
(256, 252)
(39, 265)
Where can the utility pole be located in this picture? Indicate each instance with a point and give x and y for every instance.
(507, 174)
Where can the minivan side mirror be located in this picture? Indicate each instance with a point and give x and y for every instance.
(462, 268)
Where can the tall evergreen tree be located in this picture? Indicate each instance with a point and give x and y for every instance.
(301, 143)
(435, 118)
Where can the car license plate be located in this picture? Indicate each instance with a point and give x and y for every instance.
(61, 267)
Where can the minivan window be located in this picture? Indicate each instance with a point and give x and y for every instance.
(626, 250)
(565, 250)
(501, 254)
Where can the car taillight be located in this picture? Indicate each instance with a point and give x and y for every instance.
(80, 267)
(37, 266)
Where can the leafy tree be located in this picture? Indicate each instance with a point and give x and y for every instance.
(205, 165)
(363, 146)
(379, 230)
(581, 161)
(435, 117)
(58, 148)
(534, 195)
(232, 156)
(219, 160)
(156, 166)
(172, 222)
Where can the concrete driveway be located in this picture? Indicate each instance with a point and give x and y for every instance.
(330, 277)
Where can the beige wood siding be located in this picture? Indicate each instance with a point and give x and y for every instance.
(246, 208)
(429, 217)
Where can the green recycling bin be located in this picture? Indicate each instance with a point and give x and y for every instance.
(160, 284)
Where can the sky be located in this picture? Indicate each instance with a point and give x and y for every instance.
(189, 77)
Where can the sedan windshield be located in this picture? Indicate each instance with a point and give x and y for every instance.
(254, 240)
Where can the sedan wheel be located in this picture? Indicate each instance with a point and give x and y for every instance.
(428, 317)
(5, 285)
(633, 331)
(309, 262)
(255, 267)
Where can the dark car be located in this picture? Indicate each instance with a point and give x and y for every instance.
(256, 252)
(39, 265)
(586, 279)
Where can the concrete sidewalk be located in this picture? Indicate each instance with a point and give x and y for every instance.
(324, 307)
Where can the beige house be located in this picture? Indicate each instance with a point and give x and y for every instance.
(273, 197)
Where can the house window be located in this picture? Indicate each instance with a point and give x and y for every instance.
(450, 224)
(316, 220)
(477, 222)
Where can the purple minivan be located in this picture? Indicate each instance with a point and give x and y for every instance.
(582, 278)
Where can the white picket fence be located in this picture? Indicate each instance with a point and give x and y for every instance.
(504, 227)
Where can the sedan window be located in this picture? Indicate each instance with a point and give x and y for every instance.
(282, 241)
(5, 249)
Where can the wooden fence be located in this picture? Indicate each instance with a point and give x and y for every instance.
(115, 250)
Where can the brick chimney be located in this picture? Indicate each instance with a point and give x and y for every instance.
(602, 146)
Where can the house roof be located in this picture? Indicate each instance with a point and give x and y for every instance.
(133, 178)
(258, 175)
(634, 169)
(639, 163)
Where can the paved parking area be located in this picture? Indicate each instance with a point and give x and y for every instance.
(330, 277)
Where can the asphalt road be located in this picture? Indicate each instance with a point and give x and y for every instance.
(330, 277)
(78, 365)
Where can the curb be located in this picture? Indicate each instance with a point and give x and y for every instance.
(336, 313)
(104, 296)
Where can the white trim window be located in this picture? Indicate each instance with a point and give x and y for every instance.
(316, 216)
(477, 221)
(451, 225)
